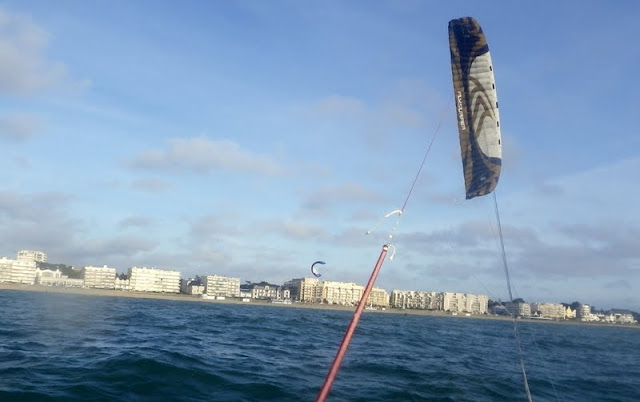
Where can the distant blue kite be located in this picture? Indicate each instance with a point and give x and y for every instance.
(313, 269)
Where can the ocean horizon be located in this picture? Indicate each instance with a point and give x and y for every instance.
(73, 347)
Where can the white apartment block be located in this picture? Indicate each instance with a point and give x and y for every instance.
(145, 279)
(441, 301)
(215, 285)
(549, 310)
(18, 271)
(342, 293)
(413, 299)
(452, 302)
(5, 269)
(100, 277)
(349, 294)
(378, 298)
(32, 255)
(476, 304)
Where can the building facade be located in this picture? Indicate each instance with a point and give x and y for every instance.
(521, 309)
(304, 290)
(548, 310)
(49, 277)
(440, 301)
(215, 285)
(32, 255)
(476, 304)
(145, 279)
(264, 291)
(22, 270)
(412, 299)
(99, 277)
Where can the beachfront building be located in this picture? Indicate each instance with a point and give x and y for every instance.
(412, 299)
(99, 277)
(476, 304)
(623, 318)
(554, 311)
(583, 312)
(451, 302)
(349, 294)
(32, 255)
(518, 308)
(20, 270)
(192, 286)
(121, 283)
(49, 277)
(265, 291)
(378, 298)
(439, 301)
(341, 293)
(569, 314)
(304, 290)
(145, 279)
(216, 285)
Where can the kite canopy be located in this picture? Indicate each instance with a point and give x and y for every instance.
(476, 106)
(314, 271)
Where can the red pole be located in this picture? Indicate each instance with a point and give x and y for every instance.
(335, 366)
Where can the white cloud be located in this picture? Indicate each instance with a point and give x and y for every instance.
(150, 185)
(347, 192)
(24, 68)
(135, 221)
(201, 155)
(294, 230)
(18, 127)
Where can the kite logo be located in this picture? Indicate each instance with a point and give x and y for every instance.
(460, 113)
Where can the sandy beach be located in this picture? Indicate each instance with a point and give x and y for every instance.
(198, 299)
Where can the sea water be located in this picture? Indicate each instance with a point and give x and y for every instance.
(64, 347)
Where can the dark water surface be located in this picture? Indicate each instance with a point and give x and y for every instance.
(67, 347)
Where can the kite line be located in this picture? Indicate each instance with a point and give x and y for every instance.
(346, 340)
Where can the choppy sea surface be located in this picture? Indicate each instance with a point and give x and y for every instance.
(63, 347)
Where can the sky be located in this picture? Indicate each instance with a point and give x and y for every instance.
(251, 138)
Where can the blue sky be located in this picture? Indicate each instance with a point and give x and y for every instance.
(252, 138)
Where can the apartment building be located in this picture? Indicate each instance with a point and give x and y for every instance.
(305, 290)
(345, 294)
(215, 285)
(21, 270)
(518, 309)
(476, 304)
(32, 255)
(145, 279)
(265, 291)
(548, 310)
(99, 277)
(413, 299)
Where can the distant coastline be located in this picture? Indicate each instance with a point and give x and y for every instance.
(195, 298)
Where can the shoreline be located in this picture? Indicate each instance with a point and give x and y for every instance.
(196, 298)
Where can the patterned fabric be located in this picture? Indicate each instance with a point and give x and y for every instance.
(476, 106)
